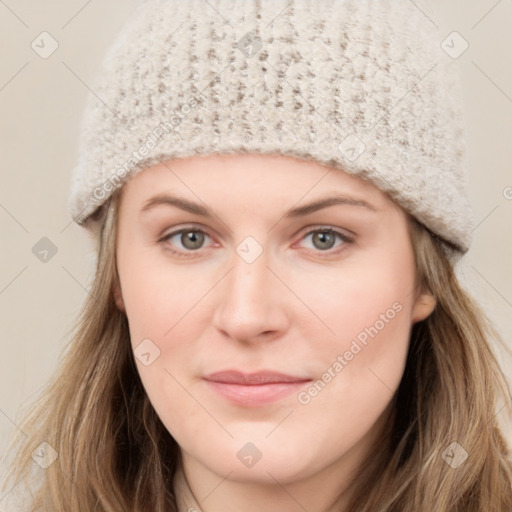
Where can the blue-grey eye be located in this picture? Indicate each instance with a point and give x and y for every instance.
(325, 239)
(190, 239)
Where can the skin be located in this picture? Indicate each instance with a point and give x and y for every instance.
(295, 309)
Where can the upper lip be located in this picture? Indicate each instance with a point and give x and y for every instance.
(255, 378)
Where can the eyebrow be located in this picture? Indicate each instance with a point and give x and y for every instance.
(299, 211)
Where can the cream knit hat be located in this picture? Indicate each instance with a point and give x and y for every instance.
(360, 85)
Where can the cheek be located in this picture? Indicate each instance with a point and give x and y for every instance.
(362, 358)
(358, 380)
(357, 375)
(361, 366)
(359, 302)
(157, 299)
(162, 307)
(159, 310)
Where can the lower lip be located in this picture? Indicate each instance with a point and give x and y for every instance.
(255, 395)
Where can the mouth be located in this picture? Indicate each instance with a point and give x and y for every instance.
(254, 389)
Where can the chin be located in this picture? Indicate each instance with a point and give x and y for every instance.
(260, 462)
(263, 472)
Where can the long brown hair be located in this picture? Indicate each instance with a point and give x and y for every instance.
(115, 454)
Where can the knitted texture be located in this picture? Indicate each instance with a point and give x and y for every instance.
(358, 85)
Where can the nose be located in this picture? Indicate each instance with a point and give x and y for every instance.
(251, 302)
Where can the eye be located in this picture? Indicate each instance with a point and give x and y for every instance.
(323, 239)
(190, 239)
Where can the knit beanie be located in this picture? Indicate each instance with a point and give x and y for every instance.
(359, 85)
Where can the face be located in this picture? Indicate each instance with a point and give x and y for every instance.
(227, 267)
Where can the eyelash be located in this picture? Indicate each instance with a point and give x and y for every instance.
(316, 229)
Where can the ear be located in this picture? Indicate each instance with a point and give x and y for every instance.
(118, 295)
(423, 307)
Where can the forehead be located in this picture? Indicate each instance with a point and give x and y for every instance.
(247, 177)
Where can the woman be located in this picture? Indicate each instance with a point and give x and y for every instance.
(278, 200)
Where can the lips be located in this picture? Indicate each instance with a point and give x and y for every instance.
(254, 389)
(253, 379)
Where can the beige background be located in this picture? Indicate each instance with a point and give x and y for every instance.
(41, 101)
